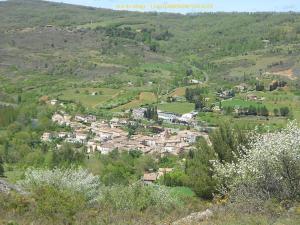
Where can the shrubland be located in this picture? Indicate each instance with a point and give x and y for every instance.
(247, 174)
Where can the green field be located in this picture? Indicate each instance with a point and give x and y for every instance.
(182, 192)
(177, 107)
(143, 99)
(239, 102)
(85, 97)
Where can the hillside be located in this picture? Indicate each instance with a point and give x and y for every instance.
(116, 117)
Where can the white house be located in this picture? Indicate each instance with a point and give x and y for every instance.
(53, 102)
(138, 113)
(81, 137)
(166, 116)
(62, 134)
(188, 117)
(194, 81)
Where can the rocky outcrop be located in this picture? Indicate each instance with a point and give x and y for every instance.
(6, 187)
(194, 218)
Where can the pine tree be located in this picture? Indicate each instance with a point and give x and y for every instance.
(199, 169)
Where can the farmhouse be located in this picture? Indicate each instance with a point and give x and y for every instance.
(150, 178)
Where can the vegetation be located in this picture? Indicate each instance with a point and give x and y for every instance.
(82, 60)
(267, 168)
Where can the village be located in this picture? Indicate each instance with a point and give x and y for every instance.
(105, 136)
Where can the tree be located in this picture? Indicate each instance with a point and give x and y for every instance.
(263, 111)
(154, 46)
(252, 110)
(151, 113)
(269, 167)
(284, 111)
(189, 72)
(276, 112)
(226, 141)
(198, 104)
(199, 171)
(67, 156)
(259, 87)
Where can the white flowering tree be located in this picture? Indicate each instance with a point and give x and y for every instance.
(71, 179)
(269, 166)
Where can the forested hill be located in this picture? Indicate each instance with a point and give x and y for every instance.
(194, 39)
(43, 38)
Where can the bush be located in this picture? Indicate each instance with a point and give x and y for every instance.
(57, 205)
(174, 179)
(138, 197)
(268, 167)
(77, 181)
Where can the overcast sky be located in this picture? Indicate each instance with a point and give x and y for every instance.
(193, 5)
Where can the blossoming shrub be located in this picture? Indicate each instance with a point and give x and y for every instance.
(268, 167)
(139, 197)
(71, 179)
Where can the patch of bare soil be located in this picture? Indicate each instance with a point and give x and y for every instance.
(289, 73)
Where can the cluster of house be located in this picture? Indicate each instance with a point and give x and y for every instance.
(187, 118)
(105, 136)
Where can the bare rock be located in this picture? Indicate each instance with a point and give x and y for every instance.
(5, 187)
(194, 218)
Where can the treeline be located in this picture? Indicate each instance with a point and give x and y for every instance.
(273, 86)
(257, 111)
(254, 111)
(277, 84)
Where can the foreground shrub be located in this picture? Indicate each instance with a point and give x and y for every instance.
(269, 167)
(58, 205)
(72, 180)
(139, 197)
